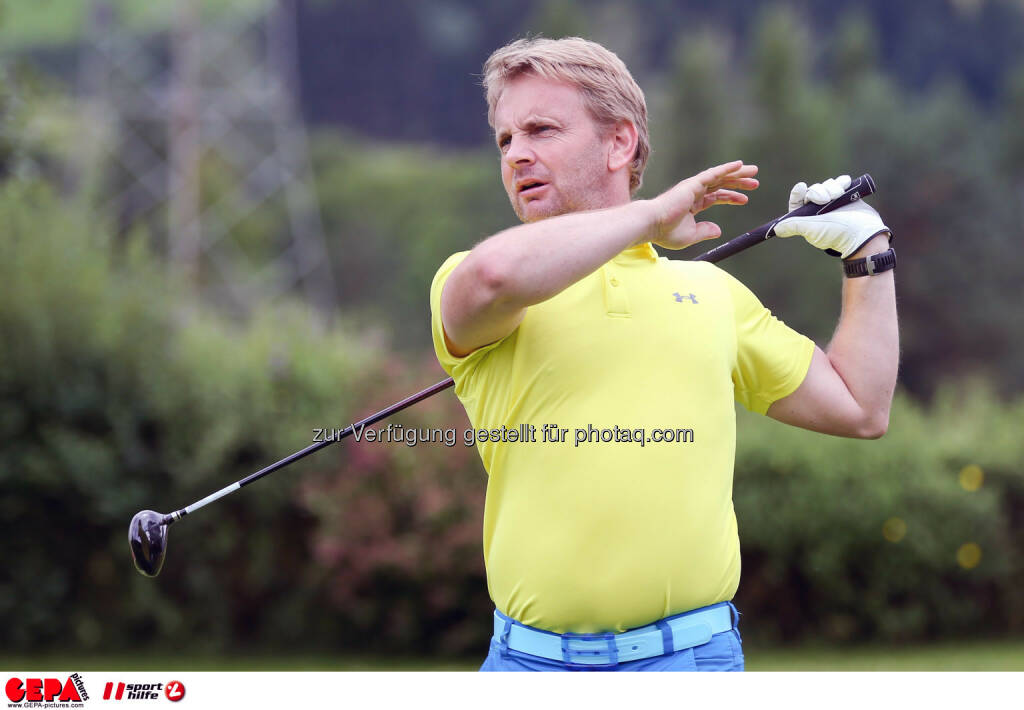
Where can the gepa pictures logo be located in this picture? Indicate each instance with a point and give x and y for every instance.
(173, 690)
(48, 690)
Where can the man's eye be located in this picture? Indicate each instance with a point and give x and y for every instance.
(541, 129)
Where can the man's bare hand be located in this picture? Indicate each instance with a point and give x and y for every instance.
(675, 209)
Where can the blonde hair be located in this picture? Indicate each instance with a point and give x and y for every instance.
(609, 91)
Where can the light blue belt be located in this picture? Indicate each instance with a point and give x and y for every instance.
(669, 635)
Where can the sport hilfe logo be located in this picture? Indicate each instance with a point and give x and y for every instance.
(37, 690)
(173, 691)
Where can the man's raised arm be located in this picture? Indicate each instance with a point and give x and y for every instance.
(849, 387)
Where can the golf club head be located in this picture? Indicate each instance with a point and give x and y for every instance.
(147, 537)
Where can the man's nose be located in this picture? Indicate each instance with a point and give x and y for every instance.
(519, 152)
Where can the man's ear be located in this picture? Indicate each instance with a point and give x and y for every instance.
(622, 149)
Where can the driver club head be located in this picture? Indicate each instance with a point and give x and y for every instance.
(147, 538)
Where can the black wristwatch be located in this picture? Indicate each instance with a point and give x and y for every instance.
(870, 265)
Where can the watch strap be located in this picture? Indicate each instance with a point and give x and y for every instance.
(870, 265)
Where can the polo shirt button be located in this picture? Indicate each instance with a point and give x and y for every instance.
(614, 282)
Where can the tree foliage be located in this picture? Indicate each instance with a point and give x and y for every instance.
(948, 185)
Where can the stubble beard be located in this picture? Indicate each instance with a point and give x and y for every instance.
(559, 207)
(583, 191)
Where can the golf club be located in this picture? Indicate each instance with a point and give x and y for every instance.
(147, 533)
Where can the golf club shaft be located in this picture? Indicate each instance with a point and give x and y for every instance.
(372, 419)
(859, 188)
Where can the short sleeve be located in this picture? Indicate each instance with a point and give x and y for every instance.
(772, 359)
(454, 365)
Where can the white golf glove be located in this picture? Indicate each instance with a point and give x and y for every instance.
(844, 230)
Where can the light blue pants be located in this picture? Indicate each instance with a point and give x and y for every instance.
(724, 652)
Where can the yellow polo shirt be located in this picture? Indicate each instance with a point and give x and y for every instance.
(620, 529)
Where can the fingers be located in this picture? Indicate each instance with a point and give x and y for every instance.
(798, 196)
(706, 230)
(829, 190)
(712, 175)
(733, 174)
(717, 185)
(741, 184)
(723, 197)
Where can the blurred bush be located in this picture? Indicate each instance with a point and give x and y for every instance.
(115, 395)
(849, 540)
(398, 541)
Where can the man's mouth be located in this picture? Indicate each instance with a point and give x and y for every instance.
(528, 187)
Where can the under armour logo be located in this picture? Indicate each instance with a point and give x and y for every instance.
(679, 297)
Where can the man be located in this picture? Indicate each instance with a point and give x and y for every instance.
(623, 553)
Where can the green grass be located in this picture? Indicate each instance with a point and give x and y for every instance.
(967, 656)
(148, 662)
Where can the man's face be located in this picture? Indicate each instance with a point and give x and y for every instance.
(553, 158)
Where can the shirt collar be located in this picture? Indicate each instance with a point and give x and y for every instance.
(636, 254)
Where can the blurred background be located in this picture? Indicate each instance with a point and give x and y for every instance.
(219, 220)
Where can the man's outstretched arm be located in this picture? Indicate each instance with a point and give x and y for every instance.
(487, 294)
